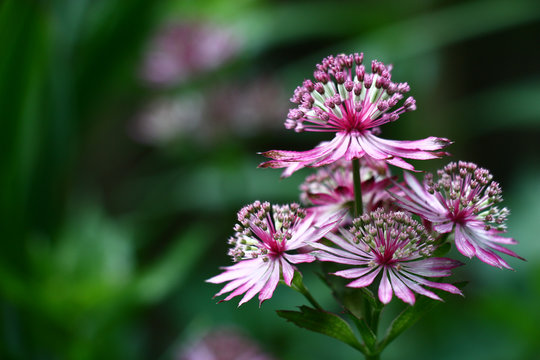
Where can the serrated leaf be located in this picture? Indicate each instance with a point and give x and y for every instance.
(323, 322)
(411, 315)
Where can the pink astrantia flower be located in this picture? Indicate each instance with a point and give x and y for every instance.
(263, 247)
(462, 199)
(393, 245)
(352, 103)
(331, 189)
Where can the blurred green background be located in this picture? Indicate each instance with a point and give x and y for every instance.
(129, 138)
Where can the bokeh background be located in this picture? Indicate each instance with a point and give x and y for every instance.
(129, 133)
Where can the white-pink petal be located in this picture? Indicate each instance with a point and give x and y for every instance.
(385, 288)
(366, 279)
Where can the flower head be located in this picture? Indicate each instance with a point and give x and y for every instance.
(179, 51)
(396, 246)
(464, 198)
(347, 100)
(331, 188)
(262, 247)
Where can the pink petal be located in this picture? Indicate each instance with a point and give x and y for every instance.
(385, 289)
(324, 256)
(417, 288)
(271, 284)
(242, 268)
(287, 270)
(365, 280)
(354, 272)
(299, 258)
(463, 244)
(401, 290)
(432, 267)
(442, 286)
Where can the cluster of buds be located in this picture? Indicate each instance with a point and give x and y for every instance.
(263, 229)
(345, 97)
(392, 236)
(469, 192)
(391, 243)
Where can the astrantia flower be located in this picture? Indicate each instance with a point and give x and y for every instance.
(263, 247)
(393, 245)
(352, 103)
(463, 198)
(331, 188)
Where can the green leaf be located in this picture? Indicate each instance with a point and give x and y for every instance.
(411, 315)
(323, 322)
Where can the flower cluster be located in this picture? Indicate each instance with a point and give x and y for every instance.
(263, 248)
(463, 199)
(397, 246)
(331, 188)
(353, 103)
(384, 242)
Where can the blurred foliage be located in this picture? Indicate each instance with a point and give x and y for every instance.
(105, 241)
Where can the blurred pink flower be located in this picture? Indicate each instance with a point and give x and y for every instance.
(181, 50)
(463, 198)
(263, 245)
(397, 246)
(224, 344)
(241, 108)
(353, 104)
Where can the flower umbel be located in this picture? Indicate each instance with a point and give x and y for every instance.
(262, 244)
(331, 188)
(347, 100)
(397, 246)
(463, 198)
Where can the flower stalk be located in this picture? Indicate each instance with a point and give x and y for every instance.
(298, 285)
(358, 207)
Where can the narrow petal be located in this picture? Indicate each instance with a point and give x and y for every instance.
(354, 272)
(463, 244)
(442, 286)
(299, 258)
(287, 270)
(385, 289)
(420, 290)
(432, 267)
(242, 268)
(271, 284)
(401, 290)
(365, 280)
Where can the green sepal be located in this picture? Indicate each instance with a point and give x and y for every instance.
(323, 322)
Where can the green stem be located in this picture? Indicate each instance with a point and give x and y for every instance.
(373, 357)
(358, 207)
(375, 317)
(298, 285)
